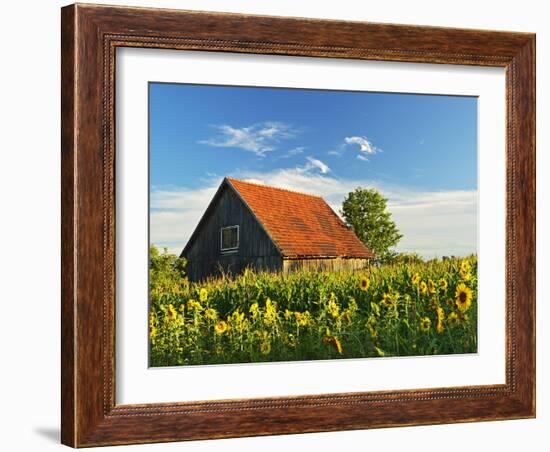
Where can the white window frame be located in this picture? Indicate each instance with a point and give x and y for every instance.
(232, 249)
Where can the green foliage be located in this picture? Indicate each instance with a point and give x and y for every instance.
(404, 258)
(399, 309)
(364, 210)
(166, 274)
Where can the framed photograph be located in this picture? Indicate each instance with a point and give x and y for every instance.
(282, 225)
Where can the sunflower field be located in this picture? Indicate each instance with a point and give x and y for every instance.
(405, 309)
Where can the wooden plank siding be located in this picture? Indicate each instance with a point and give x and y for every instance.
(325, 264)
(256, 250)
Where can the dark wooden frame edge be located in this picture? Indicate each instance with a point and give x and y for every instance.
(90, 35)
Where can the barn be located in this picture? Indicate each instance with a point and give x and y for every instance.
(270, 229)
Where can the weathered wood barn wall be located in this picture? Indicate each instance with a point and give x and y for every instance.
(256, 250)
(325, 264)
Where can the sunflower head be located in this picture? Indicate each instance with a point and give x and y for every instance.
(303, 318)
(463, 297)
(328, 339)
(440, 318)
(364, 283)
(431, 286)
(423, 287)
(346, 316)
(193, 305)
(415, 279)
(221, 327)
(211, 314)
(265, 348)
(290, 340)
(452, 319)
(203, 295)
(387, 300)
(443, 284)
(465, 275)
(425, 324)
(171, 312)
(254, 310)
(464, 271)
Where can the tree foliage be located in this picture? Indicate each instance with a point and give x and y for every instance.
(166, 271)
(365, 212)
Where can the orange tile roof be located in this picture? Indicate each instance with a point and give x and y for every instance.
(301, 225)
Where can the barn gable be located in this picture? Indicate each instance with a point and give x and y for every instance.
(255, 248)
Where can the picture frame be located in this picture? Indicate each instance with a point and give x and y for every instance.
(90, 36)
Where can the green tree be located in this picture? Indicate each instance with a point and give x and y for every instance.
(166, 272)
(364, 211)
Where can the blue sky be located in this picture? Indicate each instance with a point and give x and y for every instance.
(419, 150)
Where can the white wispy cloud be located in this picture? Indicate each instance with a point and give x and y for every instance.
(257, 138)
(434, 223)
(365, 145)
(294, 151)
(315, 163)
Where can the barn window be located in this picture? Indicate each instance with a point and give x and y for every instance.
(230, 238)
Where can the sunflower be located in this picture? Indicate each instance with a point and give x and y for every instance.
(237, 317)
(332, 307)
(425, 324)
(465, 270)
(270, 314)
(290, 340)
(152, 332)
(203, 295)
(254, 310)
(194, 305)
(337, 345)
(452, 319)
(211, 314)
(443, 284)
(171, 312)
(415, 279)
(440, 318)
(334, 341)
(346, 316)
(371, 325)
(265, 348)
(302, 318)
(221, 327)
(364, 283)
(431, 286)
(423, 288)
(387, 299)
(463, 297)
(465, 265)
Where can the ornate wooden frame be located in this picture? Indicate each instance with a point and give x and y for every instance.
(90, 35)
